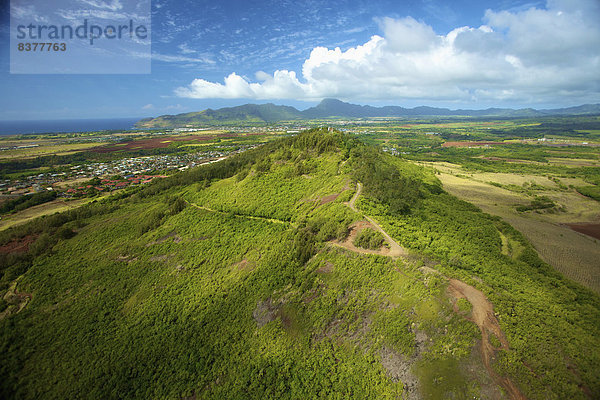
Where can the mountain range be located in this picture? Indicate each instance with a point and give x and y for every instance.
(333, 108)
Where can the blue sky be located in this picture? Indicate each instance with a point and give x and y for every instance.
(456, 54)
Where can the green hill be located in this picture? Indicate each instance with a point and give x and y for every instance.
(243, 279)
(246, 114)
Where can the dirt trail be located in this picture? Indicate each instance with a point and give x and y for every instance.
(348, 243)
(273, 220)
(483, 316)
(482, 313)
(352, 203)
(395, 250)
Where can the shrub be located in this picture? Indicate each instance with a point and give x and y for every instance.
(369, 239)
(538, 203)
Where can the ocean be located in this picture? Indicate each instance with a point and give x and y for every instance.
(65, 125)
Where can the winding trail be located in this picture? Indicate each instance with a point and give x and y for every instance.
(272, 220)
(395, 249)
(482, 313)
(483, 316)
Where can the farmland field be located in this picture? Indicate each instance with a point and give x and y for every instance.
(574, 254)
(31, 213)
(73, 164)
(541, 176)
(164, 141)
(44, 148)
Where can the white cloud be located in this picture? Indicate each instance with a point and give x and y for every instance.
(408, 35)
(113, 5)
(81, 14)
(355, 30)
(527, 56)
(26, 12)
(184, 49)
(282, 84)
(181, 59)
(154, 108)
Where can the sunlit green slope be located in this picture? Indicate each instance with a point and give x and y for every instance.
(231, 281)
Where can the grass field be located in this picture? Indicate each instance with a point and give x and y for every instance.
(45, 149)
(37, 211)
(573, 254)
(569, 162)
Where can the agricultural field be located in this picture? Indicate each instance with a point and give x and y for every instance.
(49, 208)
(41, 148)
(573, 254)
(23, 147)
(542, 177)
(181, 141)
(72, 165)
(259, 277)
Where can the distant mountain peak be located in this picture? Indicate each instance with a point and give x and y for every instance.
(332, 108)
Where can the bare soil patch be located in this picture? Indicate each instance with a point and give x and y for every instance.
(483, 316)
(127, 259)
(399, 367)
(327, 268)
(265, 312)
(161, 258)
(174, 235)
(20, 245)
(328, 199)
(16, 301)
(244, 265)
(590, 229)
(312, 294)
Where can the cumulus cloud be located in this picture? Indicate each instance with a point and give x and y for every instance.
(526, 56)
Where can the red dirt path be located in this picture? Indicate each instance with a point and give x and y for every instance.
(483, 316)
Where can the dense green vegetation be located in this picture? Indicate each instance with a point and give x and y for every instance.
(399, 185)
(590, 191)
(369, 239)
(530, 297)
(219, 282)
(27, 201)
(538, 203)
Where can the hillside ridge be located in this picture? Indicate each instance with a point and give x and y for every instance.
(221, 282)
